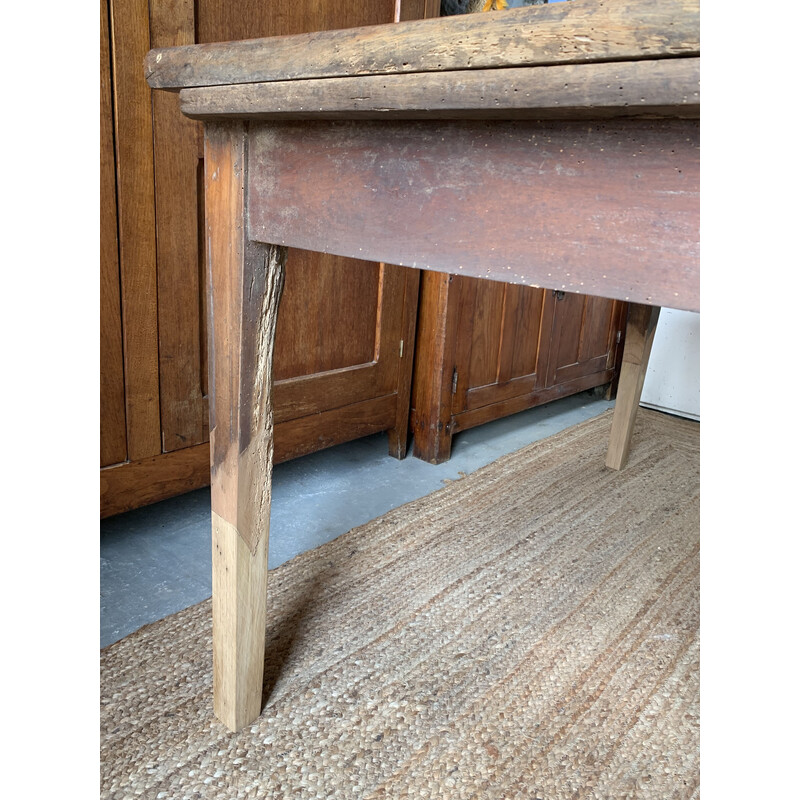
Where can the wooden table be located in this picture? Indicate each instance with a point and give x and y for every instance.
(554, 146)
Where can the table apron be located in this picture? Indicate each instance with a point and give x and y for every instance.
(608, 208)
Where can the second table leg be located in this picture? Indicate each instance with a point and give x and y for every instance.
(641, 331)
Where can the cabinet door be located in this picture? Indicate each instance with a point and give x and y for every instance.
(500, 352)
(343, 349)
(482, 351)
(329, 319)
(584, 337)
(486, 350)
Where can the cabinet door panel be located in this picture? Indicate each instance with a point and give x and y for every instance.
(329, 319)
(347, 370)
(133, 139)
(319, 327)
(521, 319)
(583, 332)
(499, 351)
(487, 350)
(487, 333)
(177, 155)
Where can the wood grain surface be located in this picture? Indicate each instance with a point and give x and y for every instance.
(113, 434)
(563, 33)
(133, 136)
(668, 87)
(177, 148)
(603, 208)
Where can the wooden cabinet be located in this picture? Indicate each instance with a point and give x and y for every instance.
(345, 335)
(487, 349)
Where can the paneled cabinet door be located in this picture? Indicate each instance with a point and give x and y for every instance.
(343, 353)
(487, 349)
(584, 337)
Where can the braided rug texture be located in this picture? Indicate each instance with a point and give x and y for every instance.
(529, 631)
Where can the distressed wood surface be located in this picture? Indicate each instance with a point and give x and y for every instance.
(246, 280)
(668, 87)
(563, 33)
(606, 208)
(245, 284)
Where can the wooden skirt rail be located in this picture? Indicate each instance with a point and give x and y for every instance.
(593, 208)
(553, 146)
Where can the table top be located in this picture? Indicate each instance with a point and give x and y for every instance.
(622, 56)
(553, 146)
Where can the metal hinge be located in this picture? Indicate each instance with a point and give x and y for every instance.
(455, 380)
(619, 336)
(402, 343)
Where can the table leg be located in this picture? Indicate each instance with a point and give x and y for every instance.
(245, 284)
(641, 331)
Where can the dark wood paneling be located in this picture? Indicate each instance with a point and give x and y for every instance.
(224, 21)
(510, 348)
(487, 334)
(113, 444)
(521, 339)
(437, 323)
(418, 9)
(130, 33)
(583, 337)
(338, 333)
(400, 434)
(177, 147)
(536, 397)
(314, 432)
(138, 483)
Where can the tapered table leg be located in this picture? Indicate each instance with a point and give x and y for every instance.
(245, 284)
(641, 331)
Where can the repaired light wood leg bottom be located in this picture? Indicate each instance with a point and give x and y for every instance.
(239, 610)
(245, 285)
(641, 331)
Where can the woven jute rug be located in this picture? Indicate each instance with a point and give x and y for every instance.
(528, 631)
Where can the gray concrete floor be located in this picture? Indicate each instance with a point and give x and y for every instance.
(156, 560)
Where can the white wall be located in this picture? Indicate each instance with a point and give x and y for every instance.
(672, 382)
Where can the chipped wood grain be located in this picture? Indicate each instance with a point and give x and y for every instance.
(564, 33)
(668, 87)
